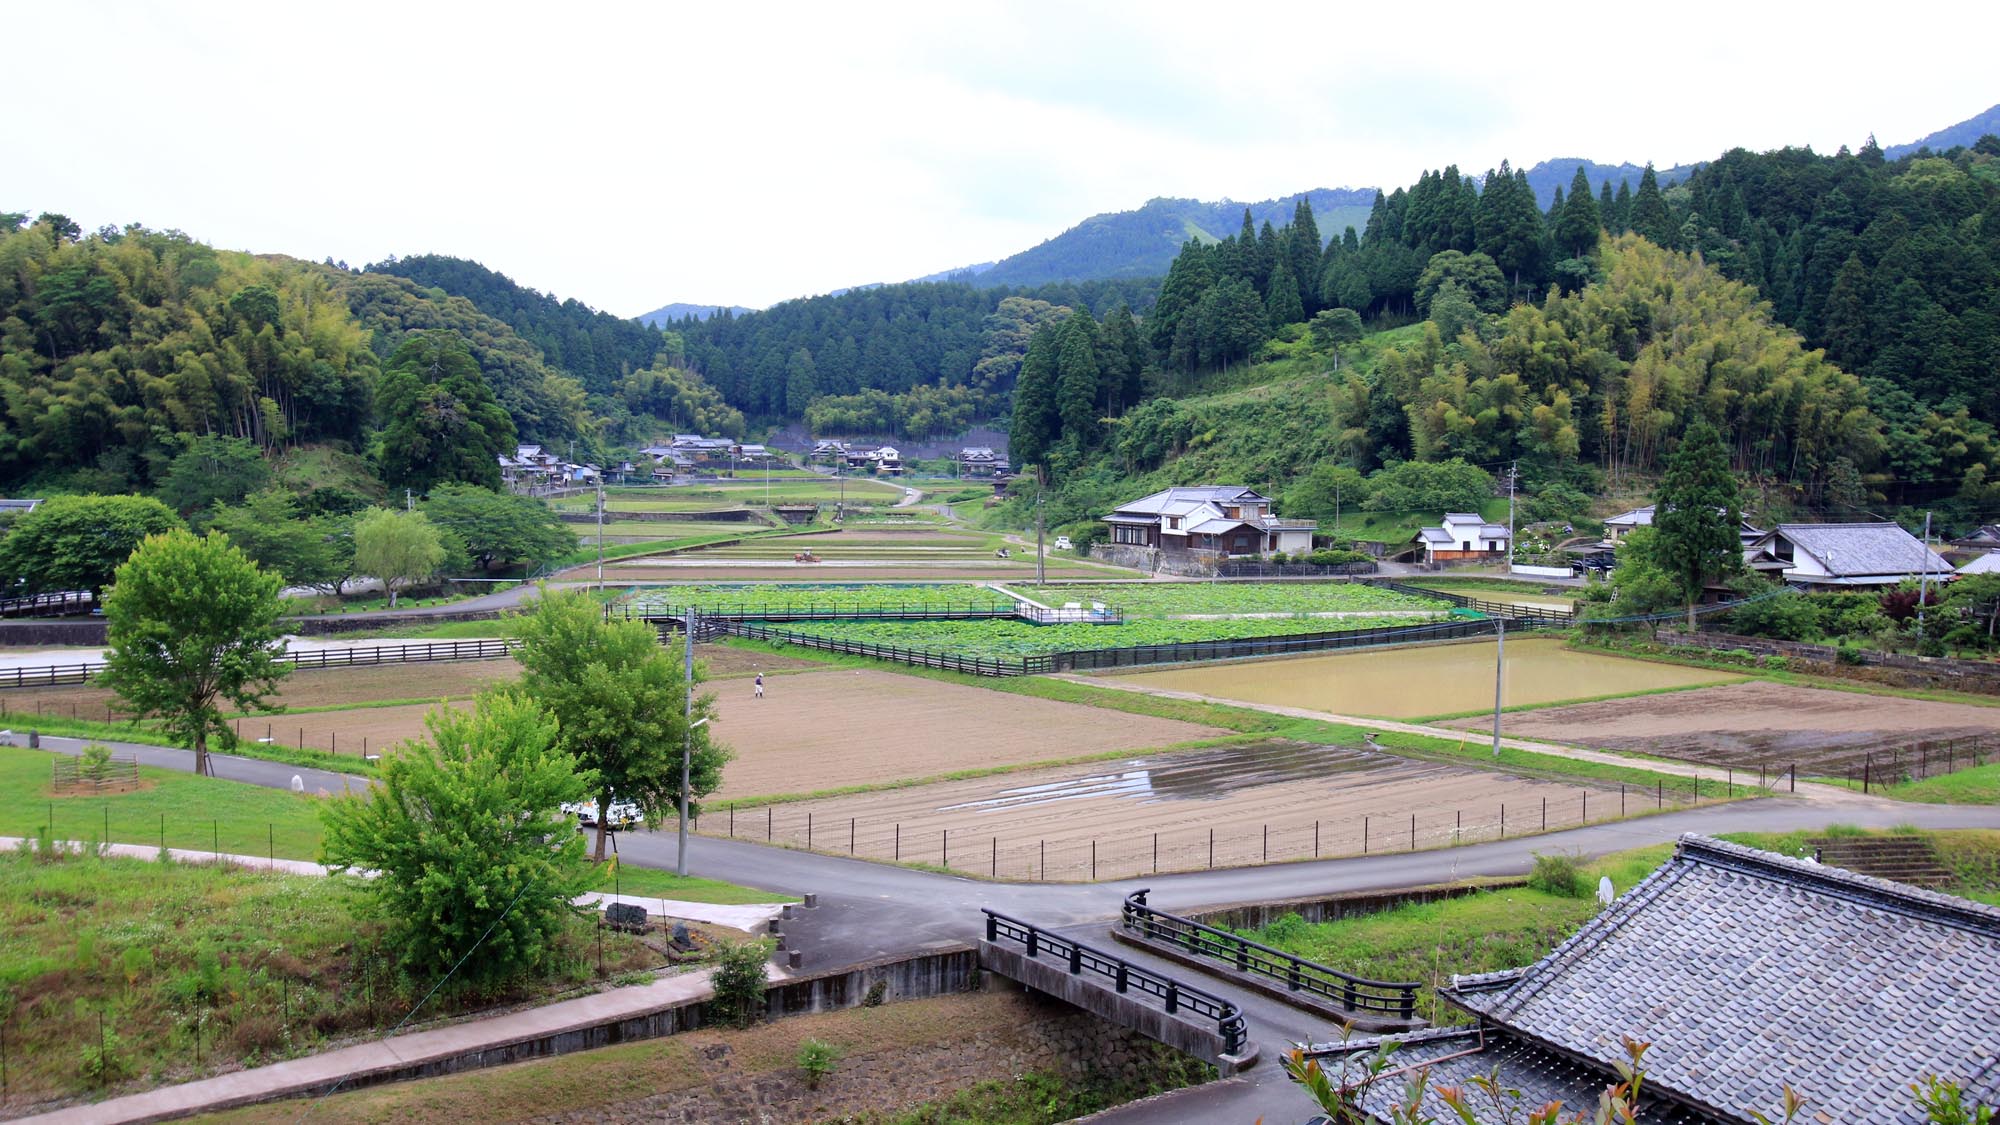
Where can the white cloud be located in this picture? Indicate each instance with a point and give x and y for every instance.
(632, 155)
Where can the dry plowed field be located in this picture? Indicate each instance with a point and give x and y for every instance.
(820, 730)
(327, 687)
(1828, 733)
(1179, 811)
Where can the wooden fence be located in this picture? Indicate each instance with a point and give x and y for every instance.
(416, 652)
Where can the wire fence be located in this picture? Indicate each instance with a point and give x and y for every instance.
(977, 850)
(416, 652)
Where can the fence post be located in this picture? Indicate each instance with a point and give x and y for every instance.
(1364, 835)
(1315, 839)
(1503, 820)
(767, 823)
(1413, 831)
(1211, 843)
(1545, 814)
(944, 851)
(850, 830)
(995, 872)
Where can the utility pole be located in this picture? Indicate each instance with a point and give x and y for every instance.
(1041, 485)
(1499, 676)
(1512, 472)
(409, 501)
(687, 741)
(600, 532)
(1924, 580)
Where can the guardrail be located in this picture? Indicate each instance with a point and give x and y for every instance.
(420, 652)
(1123, 975)
(1355, 994)
(37, 604)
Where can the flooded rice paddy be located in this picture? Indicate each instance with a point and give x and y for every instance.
(1429, 680)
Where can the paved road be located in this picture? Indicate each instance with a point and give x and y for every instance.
(870, 910)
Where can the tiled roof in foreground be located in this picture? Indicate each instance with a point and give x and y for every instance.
(1747, 971)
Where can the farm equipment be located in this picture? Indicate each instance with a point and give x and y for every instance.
(805, 557)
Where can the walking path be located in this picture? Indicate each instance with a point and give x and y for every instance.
(868, 911)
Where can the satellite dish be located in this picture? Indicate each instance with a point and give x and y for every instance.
(1604, 892)
(298, 784)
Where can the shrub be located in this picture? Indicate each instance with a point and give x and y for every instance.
(1848, 654)
(873, 997)
(95, 761)
(816, 1060)
(104, 1062)
(1558, 874)
(739, 981)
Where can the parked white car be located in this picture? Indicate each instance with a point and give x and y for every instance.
(624, 814)
(1062, 543)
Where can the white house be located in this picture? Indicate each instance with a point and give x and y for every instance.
(1625, 523)
(1465, 535)
(1220, 519)
(1850, 554)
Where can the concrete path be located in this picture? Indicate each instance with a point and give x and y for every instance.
(869, 910)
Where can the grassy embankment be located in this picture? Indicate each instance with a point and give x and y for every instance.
(1515, 926)
(180, 810)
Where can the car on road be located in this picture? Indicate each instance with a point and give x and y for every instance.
(623, 815)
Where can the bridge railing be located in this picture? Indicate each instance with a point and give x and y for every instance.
(1123, 975)
(1516, 614)
(53, 604)
(1356, 994)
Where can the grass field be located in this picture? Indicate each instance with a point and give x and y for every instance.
(830, 595)
(257, 966)
(1167, 599)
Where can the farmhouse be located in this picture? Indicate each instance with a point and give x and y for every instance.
(1465, 535)
(1618, 527)
(1220, 520)
(1848, 554)
(1745, 971)
(980, 461)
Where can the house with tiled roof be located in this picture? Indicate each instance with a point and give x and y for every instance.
(1832, 555)
(1464, 535)
(1745, 971)
(1223, 520)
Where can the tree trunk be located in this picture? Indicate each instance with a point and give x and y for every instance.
(603, 816)
(1690, 618)
(201, 765)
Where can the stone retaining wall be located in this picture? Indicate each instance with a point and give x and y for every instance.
(1253, 915)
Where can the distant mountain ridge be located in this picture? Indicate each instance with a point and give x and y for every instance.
(1549, 175)
(1966, 132)
(1142, 243)
(681, 310)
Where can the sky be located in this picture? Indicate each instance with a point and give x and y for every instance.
(634, 155)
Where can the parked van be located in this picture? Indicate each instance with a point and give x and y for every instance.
(1062, 543)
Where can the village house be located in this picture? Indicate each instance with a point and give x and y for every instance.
(1618, 527)
(1224, 520)
(1745, 971)
(1464, 536)
(980, 461)
(1836, 555)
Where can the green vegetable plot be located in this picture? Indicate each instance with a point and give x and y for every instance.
(989, 639)
(878, 595)
(1167, 599)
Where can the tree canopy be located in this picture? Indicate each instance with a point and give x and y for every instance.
(77, 542)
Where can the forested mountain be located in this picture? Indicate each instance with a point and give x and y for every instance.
(595, 348)
(1966, 133)
(1552, 175)
(1141, 243)
(682, 310)
(918, 359)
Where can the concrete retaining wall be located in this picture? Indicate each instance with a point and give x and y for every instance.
(89, 631)
(1200, 1039)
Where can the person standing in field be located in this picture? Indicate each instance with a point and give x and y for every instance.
(760, 685)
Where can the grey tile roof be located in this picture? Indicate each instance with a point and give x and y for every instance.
(1863, 548)
(1747, 970)
(1456, 1056)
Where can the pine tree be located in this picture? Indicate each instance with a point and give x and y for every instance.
(1190, 276)
(1033, 426)
(1510, 226)
(1846, 332)
(1283, 306)
(1121, 362)
(1607, 209)
(1076, 379)
(1576, 227)
(1649, 218)
(1305, 254)
(1624, 206)
(1697, 515)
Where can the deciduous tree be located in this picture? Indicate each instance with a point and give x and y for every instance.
(476, 859)
(76, 542)
(192, 623)
(397, 547)
(620, 701)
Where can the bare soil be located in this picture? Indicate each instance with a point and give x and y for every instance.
(693, 568)
(1179, 811)
(323, 687)
(1758, 724)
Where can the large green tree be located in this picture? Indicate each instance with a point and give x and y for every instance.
(1576, 226)
(440, 421)
(1697, 515)
(76, 542)
(1036, 420)
(496, 527)
(1076, 380)
(475, 858)
(620, 701)
(212, 469)
(267, 528)
(192, 623)
(397, 547)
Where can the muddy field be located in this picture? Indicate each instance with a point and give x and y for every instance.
(318, 687)
(820, 730)
(1180, 811)
(694, 568)
(1756, 724)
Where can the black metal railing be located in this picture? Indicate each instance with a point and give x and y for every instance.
(1124, 976)
(916, 657)
(419, 652)
(1355, 994)
(792, 611)
(55, 603)
(1180, 652)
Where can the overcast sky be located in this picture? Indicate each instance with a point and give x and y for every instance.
(738, 153)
